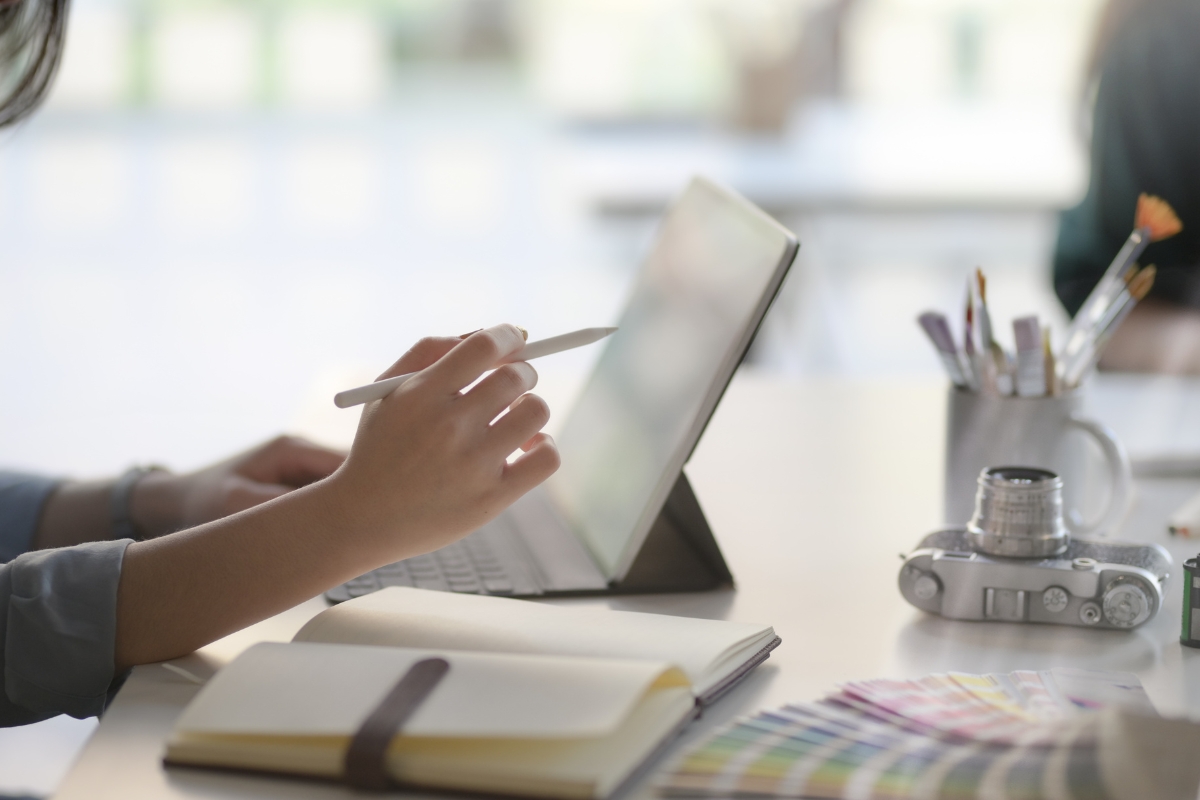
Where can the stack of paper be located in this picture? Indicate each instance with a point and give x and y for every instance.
(1068, 734)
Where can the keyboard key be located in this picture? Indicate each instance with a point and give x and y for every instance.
(430, 583)
(498, 585)
(395, 580)
(338, 594)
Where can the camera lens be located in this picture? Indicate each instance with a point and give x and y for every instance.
(1018, 513)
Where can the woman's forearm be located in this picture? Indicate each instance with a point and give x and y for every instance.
(182, 591)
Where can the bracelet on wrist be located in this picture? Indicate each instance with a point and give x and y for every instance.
(120, 497)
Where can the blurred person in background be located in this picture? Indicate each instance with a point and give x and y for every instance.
(98, 576)
(1145, 138)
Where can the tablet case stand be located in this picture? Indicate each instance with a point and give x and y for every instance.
(680, 553)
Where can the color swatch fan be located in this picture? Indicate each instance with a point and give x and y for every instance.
(1059, 734)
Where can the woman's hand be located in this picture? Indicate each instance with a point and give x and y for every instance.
(162, 502)
(429, 464)
(430, 461)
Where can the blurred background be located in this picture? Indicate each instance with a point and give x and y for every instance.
(230, 209)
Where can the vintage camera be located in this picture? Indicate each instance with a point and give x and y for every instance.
(1016, 562)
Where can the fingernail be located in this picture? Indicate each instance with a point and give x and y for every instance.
(472, 333)
(524, 333)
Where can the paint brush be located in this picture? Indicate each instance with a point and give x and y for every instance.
(974, 373)
(997, 372)
(1051, 367)
(1139, 286)
(1154, 220)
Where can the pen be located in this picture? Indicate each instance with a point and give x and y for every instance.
(544, 347)
(1031, 357)
(938, 330)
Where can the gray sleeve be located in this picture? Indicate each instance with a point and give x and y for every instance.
(21, 501)
(58, 619)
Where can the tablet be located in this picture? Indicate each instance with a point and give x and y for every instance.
(713, 270)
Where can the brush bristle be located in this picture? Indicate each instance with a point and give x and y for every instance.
(1140, 287)
(1157, 215)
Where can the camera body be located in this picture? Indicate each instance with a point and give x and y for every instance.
(1015, 562)
(1092, 584)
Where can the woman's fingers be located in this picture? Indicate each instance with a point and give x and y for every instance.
(474, 356)
(499, 390)
(421, 355)
(431, 461)
(538, 462)
(528, 415)
(306, 462)
(290, 460)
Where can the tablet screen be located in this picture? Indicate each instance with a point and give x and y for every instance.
(711, 273)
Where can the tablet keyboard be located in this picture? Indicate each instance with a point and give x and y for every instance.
(471, 565)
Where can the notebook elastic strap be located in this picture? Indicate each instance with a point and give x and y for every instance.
(366, 760)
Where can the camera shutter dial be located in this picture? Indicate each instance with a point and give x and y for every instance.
(1126, 604)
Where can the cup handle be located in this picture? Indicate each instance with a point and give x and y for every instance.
(1119, 470)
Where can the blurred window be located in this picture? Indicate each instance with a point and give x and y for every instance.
(205, 59)
(331, 58)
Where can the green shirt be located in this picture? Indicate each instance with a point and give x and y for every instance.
(1145, 138)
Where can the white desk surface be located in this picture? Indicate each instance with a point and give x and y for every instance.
(813, 489)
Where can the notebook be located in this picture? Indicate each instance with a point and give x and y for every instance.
(714, 654)
(539, 701)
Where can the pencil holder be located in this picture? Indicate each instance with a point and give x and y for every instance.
(988, 430)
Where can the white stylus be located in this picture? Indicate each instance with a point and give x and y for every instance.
(543, 347)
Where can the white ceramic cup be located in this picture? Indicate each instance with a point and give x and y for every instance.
(985, 430)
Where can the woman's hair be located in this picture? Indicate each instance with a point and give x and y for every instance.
(31, 43)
